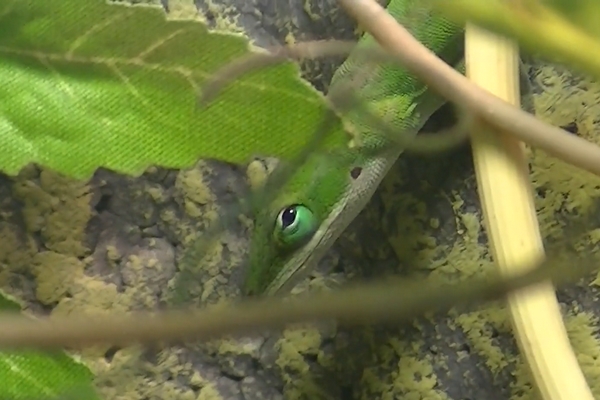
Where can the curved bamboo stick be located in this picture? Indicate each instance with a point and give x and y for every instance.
(513, 231)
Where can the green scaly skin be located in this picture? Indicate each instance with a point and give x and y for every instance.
(324, 183)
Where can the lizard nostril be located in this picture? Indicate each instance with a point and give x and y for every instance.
(355, 173)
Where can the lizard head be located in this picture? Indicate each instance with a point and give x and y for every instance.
(287, 232)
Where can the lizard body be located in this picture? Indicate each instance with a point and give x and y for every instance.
(327, 192)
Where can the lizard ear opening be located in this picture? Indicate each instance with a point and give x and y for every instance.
(295, 225)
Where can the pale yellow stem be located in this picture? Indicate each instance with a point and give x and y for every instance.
(512, 227)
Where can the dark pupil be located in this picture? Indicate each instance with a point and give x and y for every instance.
(288, 217)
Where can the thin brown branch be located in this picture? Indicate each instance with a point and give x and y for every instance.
(439, 76)
(272, 56)
(390, 301)
(344, 98)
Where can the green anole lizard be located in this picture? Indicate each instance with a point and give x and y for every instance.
(327, 192)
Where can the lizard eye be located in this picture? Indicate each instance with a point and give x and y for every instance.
(295, 224)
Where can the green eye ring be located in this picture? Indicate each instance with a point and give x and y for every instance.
(295, 225)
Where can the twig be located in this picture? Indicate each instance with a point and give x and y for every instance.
(390, 301)
(345, 99)
(452, 85)
(552, 139)
(270, 57)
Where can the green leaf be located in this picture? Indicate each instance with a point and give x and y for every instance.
(86, 85)
(38, 375)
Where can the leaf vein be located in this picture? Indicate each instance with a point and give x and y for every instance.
(143, 54)
(15, 368)
(126, 81)
(180, 70)
(79, 41)
(63, 83)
